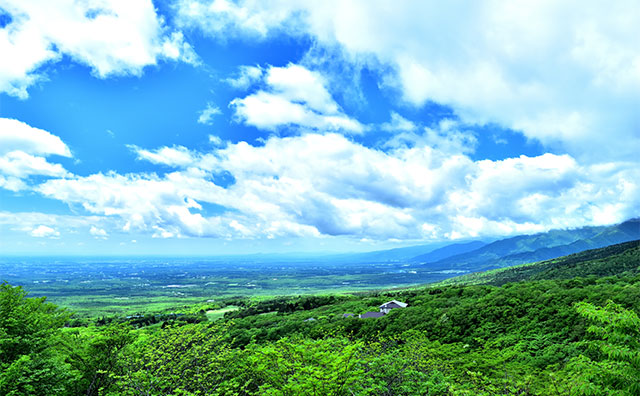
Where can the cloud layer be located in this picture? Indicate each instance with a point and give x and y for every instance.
(328, 185)
(564, 73)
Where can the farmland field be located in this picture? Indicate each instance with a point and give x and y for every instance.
(95, 286)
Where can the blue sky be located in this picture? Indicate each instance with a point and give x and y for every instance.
(219, 127)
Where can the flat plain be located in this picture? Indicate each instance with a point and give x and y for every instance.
(93, 286)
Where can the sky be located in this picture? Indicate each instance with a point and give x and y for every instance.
(204, 127)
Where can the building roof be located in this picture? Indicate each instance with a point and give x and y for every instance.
(371, 315)
(390, 304)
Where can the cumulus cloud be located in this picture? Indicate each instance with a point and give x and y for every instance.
(294, 96)
(326, 184)
(206, 115)
(22, 165)
(448, 136)
(54, 225)
(247, 76)
(298, 84)
(215, 140)
(12, 183)
(43, 231)
(398, 124)
(222, 18)
(563, 73)
(22, 154)
(174, 47)
(98, 232)
(112, 37)
(164, 207)
(177, 156)
(17, 135)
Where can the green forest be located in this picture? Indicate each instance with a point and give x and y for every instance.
(566, 326)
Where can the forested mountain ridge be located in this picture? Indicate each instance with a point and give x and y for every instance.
(621, 259)
(530, 248)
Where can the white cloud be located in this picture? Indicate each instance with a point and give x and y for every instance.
(207, 114)
(215, 140)
(177, 156)
(164, 207)
(16, 135)
(300, 85)
(268, 111)
(295, 96)
(325, 184)
(247, 76)
(43, 231)
(112, 37)
(447, 137)
(398, 124)
(12, 183)
(54, 226)
(98, 232)
(174, 47)
(565, 73)
(22, 165)
(22, 154)
(27, 221)
(223, 18)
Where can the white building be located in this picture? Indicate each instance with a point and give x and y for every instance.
(388, 306)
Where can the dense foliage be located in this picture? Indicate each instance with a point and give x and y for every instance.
(32, 360)
(567, 332)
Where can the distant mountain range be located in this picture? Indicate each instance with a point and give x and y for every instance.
(480, 255)
(477, 255)
(431, 252)
(614, 260)
(531, 248)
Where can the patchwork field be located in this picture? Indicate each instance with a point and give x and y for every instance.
(94, 287)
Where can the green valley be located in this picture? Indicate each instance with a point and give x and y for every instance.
(567, 326)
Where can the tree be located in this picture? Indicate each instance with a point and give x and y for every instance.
(614, 365)
(98, 357)
(31, 357)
